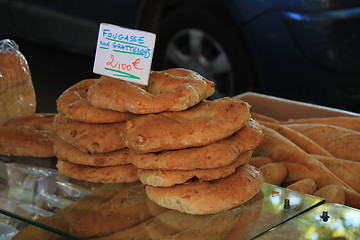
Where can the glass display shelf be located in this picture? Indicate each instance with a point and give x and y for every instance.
(328, 221)
(42, 201)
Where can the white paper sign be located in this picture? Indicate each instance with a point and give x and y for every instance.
(124, 53)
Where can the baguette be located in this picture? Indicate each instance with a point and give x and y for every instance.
(338, 141)
(332, 194)
(259, 161)
(299, 139)
(345, 122)
(306, 185)
(352, 198)
(296, 172)
(348, 171)
(281, 149)
(263, 118)
(274, 173)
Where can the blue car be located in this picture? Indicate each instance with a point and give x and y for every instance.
(306, 50)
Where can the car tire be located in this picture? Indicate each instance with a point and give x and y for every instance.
(207, 42)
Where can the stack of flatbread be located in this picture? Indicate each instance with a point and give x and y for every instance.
(191, 153)
(89, 147)
(195, 161)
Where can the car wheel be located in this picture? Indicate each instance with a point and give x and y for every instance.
(205, 42)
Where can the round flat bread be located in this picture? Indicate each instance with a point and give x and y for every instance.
(210, 197)
(112, 174)
(167, 178)
(74, 105)
(205, 123)
(169, 90)
(67, 152)
(32, 135)
(15, 141)
(37, 121)
(214, 155)
(90, 137)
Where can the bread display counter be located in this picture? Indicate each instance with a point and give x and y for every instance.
(125, 161)
(328, 221)
(125, 210)
(52, 205)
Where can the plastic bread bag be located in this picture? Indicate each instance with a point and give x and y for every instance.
(7, 232)
(42, 187)
(72, 189)
(17, 94)
(11, 206)
(23, 210)
(26, 182)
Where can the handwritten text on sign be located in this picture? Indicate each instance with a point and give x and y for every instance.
(124, 53)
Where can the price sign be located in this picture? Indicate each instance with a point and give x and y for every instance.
(124, 53)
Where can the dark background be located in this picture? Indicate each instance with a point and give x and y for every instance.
(53, 71)
(304, 50)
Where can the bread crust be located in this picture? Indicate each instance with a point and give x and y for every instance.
(108, 209)
(37, 121)
(90, 137)
(217, 154)
(16, 141)
(274, 173)
(332, 194)
(73, 104)
(306, 185)
(210, 197)
(302, 165)
(205, 123)
(17, 94)
(345, 122)
(305, 143)
(338, 141)
(110, 174)
(232, 224)
(169, 90)
(32, 135)
(67, 152)
(259, 161)
(166, 178)
(346, 170)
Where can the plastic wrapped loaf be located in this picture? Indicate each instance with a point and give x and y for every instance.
(17, 95)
